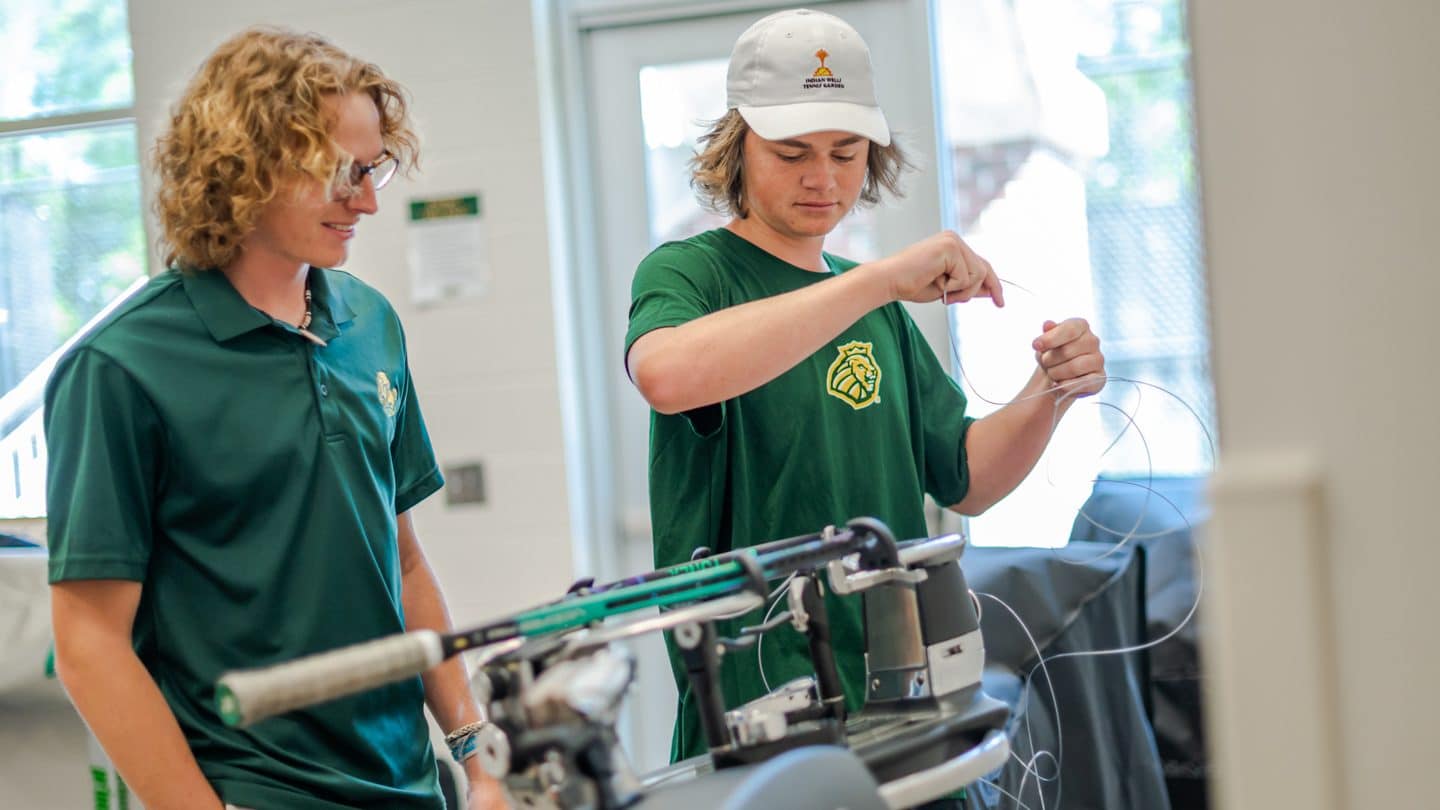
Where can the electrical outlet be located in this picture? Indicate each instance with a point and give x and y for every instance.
(464, 483)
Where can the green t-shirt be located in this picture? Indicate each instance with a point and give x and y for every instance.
(250, 479)
(867, 425)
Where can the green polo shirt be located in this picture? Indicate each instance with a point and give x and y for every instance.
(250, 479)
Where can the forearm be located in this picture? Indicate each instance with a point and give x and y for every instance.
(736, 350)
(124, 709)
(447, 687)
(1002, 448)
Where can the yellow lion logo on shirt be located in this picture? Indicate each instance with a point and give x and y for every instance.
(854, 377)
(389, 397)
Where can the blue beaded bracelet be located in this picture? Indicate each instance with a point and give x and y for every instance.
(466, 747)
(463, 741)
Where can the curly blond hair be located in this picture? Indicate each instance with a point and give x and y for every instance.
(717, 171)
(252, 118)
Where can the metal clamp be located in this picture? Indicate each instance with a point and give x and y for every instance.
(845, 582)
(795, 599)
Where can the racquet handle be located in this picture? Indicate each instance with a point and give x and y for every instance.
(248, 696)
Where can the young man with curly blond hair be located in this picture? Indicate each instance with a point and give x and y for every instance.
(790, 388)
(234, 454)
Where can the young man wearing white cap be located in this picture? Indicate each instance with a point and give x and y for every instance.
(790, 388)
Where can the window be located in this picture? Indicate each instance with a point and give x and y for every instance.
(71, 236)
(1068, 136)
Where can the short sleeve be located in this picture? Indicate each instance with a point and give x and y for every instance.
(943, 421)
(106, 448)
(417, 473)
(675, 284)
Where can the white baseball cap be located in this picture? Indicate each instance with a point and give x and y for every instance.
(802, 71)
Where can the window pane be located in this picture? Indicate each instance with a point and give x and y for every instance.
(70, 237)
(1067, 128)
(63, 57)
(1145, 244)
(71, 241)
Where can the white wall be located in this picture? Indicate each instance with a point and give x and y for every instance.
(1318, 127)
(485, 369)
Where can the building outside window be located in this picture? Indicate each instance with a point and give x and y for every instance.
(71, 233)
(1067, 131)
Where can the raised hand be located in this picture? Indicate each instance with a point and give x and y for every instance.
(1069, 354)
(940, 266)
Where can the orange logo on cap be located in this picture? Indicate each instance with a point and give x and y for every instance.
(822, 70)
(823, 78)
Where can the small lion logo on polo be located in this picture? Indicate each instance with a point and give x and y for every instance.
(854, 377)
(388, 395)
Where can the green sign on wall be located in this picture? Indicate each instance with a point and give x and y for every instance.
(468, 206)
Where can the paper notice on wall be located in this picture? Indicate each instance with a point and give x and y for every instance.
(446, 250)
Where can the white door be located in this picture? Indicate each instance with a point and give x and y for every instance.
(649, 88)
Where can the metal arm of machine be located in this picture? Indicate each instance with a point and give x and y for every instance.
(245, 697)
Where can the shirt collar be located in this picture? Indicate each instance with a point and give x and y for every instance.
(328, 310)
(220, 306)
(228, 315)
